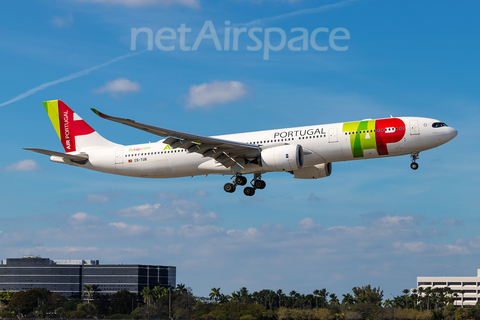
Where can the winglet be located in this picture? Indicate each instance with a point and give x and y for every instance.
(98, 113)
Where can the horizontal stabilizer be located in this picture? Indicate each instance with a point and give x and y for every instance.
(77, 158)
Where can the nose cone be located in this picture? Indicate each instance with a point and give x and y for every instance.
(451, 133)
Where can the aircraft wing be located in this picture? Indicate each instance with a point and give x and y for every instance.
(77, 158)
(224, 151)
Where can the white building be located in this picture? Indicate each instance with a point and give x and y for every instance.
(469, 285)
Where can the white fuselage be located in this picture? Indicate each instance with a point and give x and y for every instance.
(321, 144)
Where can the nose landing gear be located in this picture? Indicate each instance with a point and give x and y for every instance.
(414, 164)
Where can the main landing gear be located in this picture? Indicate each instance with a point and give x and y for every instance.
(414, 164)
(239, 180)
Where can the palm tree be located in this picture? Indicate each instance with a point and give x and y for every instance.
(316, 293)
(421, 291)
(323, 295)
(147, 295)
(462, 292)
(224, 298)
(348, 299)
(244, 295)
(270, 297)
(428, 292)
(215, 294)
(293, 293)
(280, 295)
(235, 296)
(405, 292)
(181, 288)
(414, 296)
(334, 300)
(387, 303)
(88, 291)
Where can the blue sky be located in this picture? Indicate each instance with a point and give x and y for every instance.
(371, 222)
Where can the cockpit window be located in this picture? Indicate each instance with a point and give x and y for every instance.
(439, 124)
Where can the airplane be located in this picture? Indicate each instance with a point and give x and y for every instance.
(306, 152)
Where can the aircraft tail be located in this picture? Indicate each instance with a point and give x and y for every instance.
(74, 133)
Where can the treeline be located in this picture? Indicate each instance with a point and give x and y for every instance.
(179, 303)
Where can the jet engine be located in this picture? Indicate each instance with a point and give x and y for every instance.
(282, 158)
(314, 172)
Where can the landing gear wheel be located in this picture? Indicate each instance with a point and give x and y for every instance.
(240, 180)
(259, 184)
(229, 187)
(414, 166)
(249, 191)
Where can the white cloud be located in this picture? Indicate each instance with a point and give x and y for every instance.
(96, 198)
(66, 249)
(178, 210)
(251, 234)
(192, 231)
(432, 249)
(206, 95)
(308, 224)
(23, 165)
(395, 221)
(130, 229)
(83, 218)
(63, 22)
(454, 222)
(195, 4)
(121, 85)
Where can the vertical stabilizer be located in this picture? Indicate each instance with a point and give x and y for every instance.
(74, 133)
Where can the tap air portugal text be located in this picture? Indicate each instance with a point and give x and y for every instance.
(306, 152)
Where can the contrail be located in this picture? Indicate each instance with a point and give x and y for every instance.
(67, 78)
(324, 8)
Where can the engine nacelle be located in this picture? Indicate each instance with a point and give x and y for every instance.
(282, 158)
(314, 172)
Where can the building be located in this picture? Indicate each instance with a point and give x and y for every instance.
(68, 277)
(469, 285)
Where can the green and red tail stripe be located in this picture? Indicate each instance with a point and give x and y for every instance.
(67, 124)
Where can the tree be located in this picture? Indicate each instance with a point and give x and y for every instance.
(147, 295)
(181, 288)
(293, 293)
(88, 291)
(368, 294)
(348, 299)
(323, 296)
(421, 292)
(405, 292)
(387, 303)
(428, 292)
(159, 292)
(316, 294)
(244, 295)
(215, 294)
(334, 300)
(280, 296)
(5, 297)
(39, 299)
(270, 298)
(235, 296)
(123, 302)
